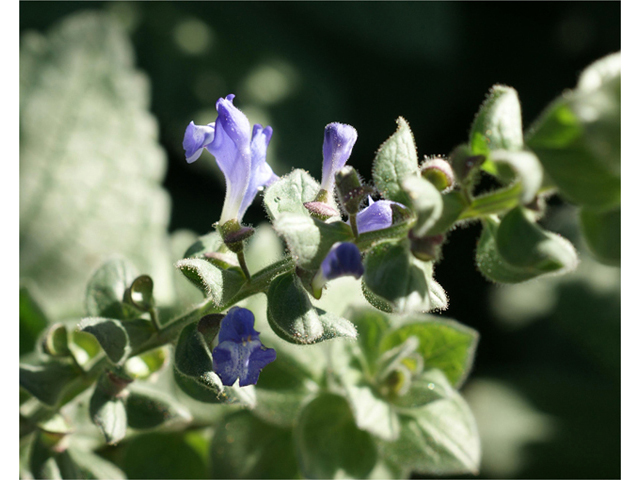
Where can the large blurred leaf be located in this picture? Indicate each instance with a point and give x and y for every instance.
(90, 163)
(245, 447)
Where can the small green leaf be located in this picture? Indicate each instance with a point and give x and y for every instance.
(107, 288)
(396, 281)
(144, 365)
(371, 325)
(216, 283)
(56, 341)
(443, 343)
(193, 372)
(289, 194)
(396, 159)
(47, 381)
(526, 167)
(293, 317)
(148, 409)
(246, 447)
(498, 201)
(108, 413)
(117, 338)
(372, 413)
(526, 250)
(602, 232)
(426, 203)
(42, 461)
(524, 244)
(498, 123)
(94, 466)
(439, 438)
(328, 442)
(308, 239)
(163, 455)
(141, 293)
(32, 321)
(577, 138)
(209, 243)
(453, 204)
(428, 387)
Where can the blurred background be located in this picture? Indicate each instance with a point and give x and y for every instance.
(546, 384)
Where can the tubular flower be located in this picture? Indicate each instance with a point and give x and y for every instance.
(376, 216)
(239, 152)
(240, 354)
(339, 139)
(344, 259)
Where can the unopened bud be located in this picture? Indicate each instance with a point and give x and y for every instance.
(321, 210)
(439, 172)
(235, 234)
(351, 192)
(426, 248)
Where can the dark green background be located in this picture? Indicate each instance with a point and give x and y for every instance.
(365, 64)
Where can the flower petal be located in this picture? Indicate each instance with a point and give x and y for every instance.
(196, 138)
(339, 139)
(376, 216)
(237, 326)
(261, 172)
(342, 260)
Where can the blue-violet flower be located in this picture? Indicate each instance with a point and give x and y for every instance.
(240, 354)
(344, 259)
(339, 139)
(239, 152)
(376, 216)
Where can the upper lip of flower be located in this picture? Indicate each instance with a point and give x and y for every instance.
(376, 216)
(339, 139)
(239, 152)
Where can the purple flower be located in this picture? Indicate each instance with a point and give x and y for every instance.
(336, 149)
(344, 259)
(376, 216)
(240, 154)
(240, 354)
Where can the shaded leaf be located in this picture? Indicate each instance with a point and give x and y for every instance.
(32, 321)
(602, 232)
(396, 159)
(47, 381)
(107, 287)
(117, 338)
(108, 413)
(148, 409)
(289, 194)
(90, 184)
(216, 283)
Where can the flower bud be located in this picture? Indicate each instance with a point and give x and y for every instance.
(351, 193)
(439, 172)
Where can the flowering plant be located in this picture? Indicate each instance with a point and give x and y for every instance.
(365, 391)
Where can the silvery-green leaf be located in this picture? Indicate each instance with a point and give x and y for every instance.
(91, 166)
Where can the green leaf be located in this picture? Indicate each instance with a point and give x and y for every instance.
(211, 242)
(526, 167)
(602, 232)
(246, 447)
(394, 280)
(372, 413)
(32, 321)
(90, 183)
(328, 442)
(309, 239)
(440, 438)
(577, 138)
(426, 202)
(42, 461)
(108, 413)
(428, 387)
(371, 325)
(293, 317)
(193, 372)
(47, 381)
(140, 294)
(93, 466)
(453, 204)
(498, 201)
(498, 123)
(443, 343)
(148, 409)
(106, 290)
(289, 194)
(396, 159)
(117, 338)
(527, 250)
(144, 365)
(524, 244)
(216, 283)
(163, 455)
(56, 341)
